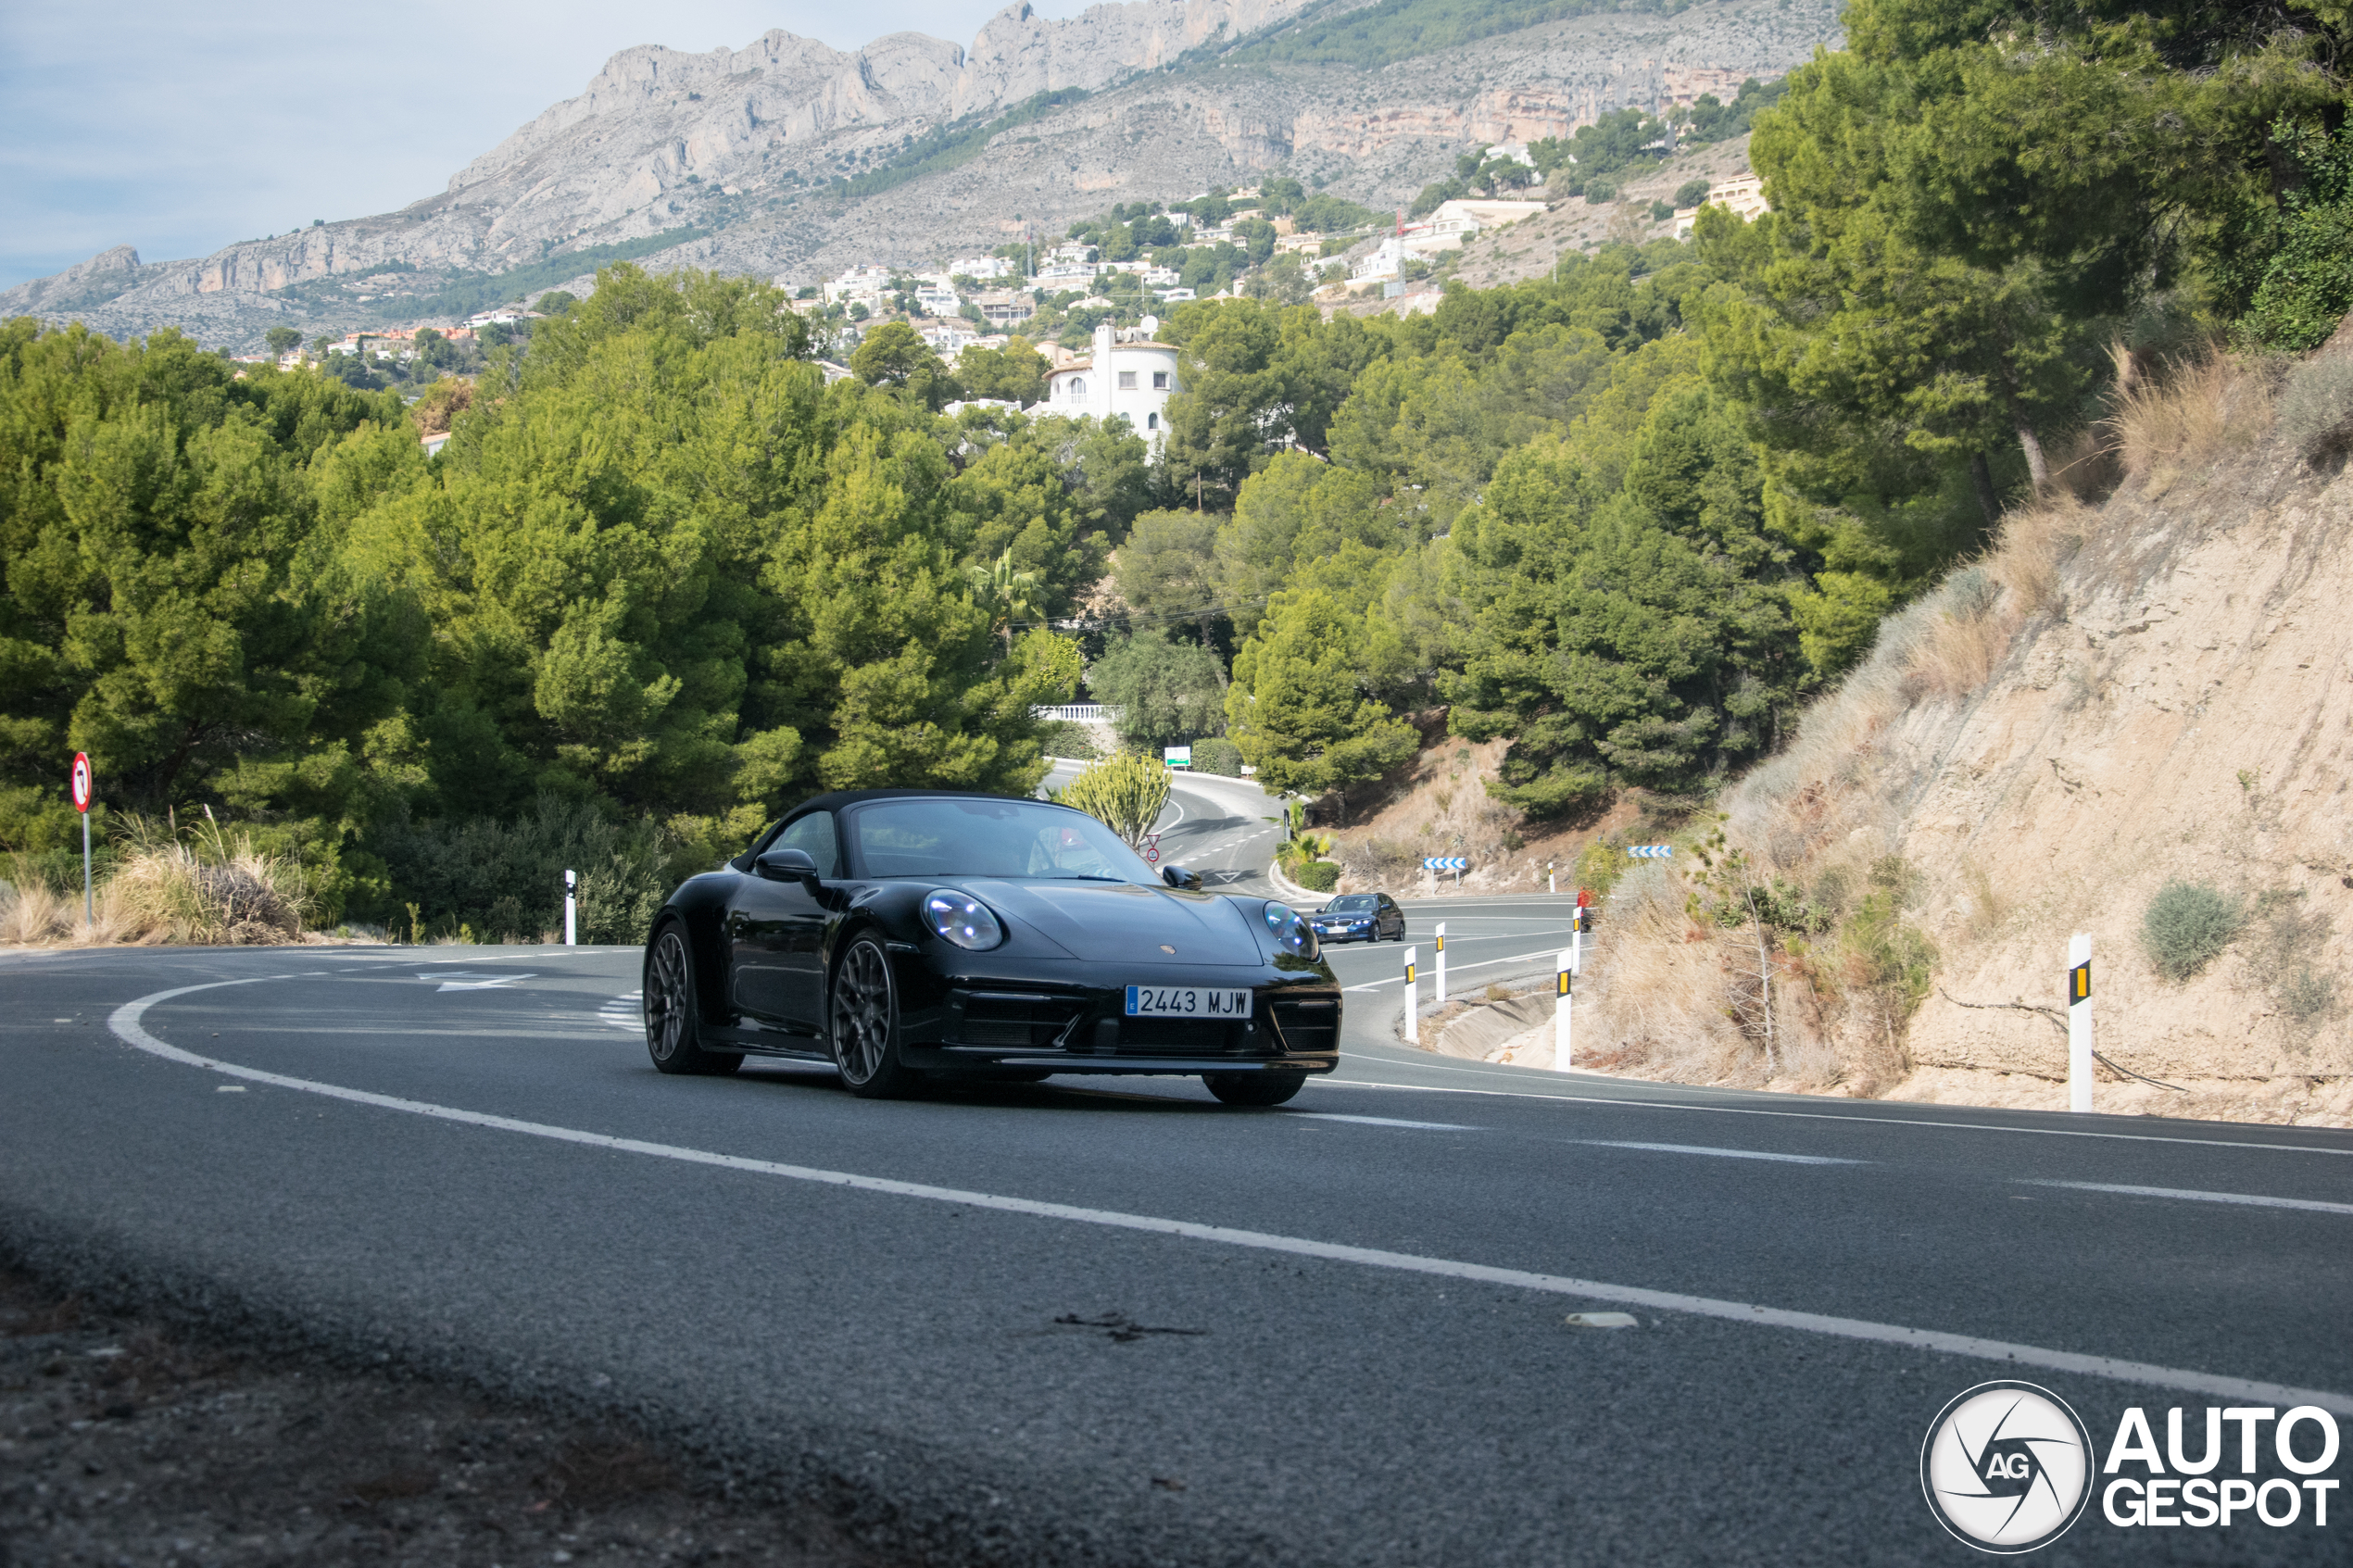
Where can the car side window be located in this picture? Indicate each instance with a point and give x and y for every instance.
(814, 834)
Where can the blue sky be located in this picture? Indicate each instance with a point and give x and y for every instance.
(182, 128)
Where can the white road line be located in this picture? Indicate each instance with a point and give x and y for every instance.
(1720, 1153)
(624, 1011)
(1384, 1121)
(125, 1023)
(2254, 1199)
(1458, 968)
(1829, 1116)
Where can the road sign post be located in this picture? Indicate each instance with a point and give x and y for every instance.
(1649, 851)
(571, 926)
(2079, 1021)
(1563, 972)
(82, 803)
(1440, 994)
(1413, 1025)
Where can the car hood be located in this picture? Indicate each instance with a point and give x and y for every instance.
(1120, 922)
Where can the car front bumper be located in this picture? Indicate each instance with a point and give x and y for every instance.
(1026, 1017)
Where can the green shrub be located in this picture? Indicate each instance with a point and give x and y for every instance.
(1068, 737)
(2187, 926)
(2309, 995)
(1217, 755)
(1691, 193)
(1317, 876)
(2316, 407)
(507, 879)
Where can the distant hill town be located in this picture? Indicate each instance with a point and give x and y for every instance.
(790, 159)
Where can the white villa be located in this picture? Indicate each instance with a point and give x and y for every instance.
(1127, 373)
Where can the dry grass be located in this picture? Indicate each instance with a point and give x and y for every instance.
(2165, 424)
(213, 888)
(2030, 547)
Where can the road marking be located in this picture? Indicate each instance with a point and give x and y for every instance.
(1458, 968)
(125, 1023)
(1384, 1121)
(1720, 1153)
(1823, 1115)
(624, 1011)
(466, 983)
(2254, 1200)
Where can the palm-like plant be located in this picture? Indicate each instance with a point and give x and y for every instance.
(1006, 593)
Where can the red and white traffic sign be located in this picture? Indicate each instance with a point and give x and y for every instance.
(1152, 849)
(82, 781)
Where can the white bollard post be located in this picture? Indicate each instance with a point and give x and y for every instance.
(2079, 1021)
(1577, 944)
(1412, 1026)
(1440, 994)
(1561, 1052)
(571, 926)
(1552, 881)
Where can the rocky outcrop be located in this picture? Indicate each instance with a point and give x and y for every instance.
(739, 145)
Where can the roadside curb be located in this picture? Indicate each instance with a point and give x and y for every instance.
(1288, 889)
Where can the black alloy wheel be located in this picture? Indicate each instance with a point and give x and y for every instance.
(674, 1018)
(866, 1024)
(1254, 1088)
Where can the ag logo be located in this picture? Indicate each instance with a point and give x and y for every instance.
(2007, 1467)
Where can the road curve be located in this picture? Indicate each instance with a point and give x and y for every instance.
(1094, 1322)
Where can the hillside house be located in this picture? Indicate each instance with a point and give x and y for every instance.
(1006, 307)
(1127, 374)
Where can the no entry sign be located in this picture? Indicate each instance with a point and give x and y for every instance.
(82, 781)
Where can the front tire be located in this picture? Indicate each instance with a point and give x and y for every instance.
(674, 1012)
(864, 1018)
(1254, 1088)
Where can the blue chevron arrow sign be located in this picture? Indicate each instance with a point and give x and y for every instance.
(1649, 851)
(1446, 864)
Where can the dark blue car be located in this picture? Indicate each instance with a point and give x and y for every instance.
(1359, 917)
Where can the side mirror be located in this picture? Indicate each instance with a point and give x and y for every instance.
(787, 865)
(1177, 876)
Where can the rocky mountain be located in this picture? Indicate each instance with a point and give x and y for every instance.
(793, 158)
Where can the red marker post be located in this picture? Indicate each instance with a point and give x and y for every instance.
(82, 803)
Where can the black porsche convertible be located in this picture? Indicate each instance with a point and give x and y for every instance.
(912, 935)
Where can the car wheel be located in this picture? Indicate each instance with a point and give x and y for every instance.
(866, 1024)
(1254, 1088)
(674, 1014)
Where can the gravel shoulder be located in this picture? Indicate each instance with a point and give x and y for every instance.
(124, 1440)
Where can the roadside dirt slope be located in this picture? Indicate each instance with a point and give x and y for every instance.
(2152, 690)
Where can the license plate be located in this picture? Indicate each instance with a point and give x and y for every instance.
(1186, 1001)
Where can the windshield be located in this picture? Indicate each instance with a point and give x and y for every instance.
(1008, 838)
(1358, 904)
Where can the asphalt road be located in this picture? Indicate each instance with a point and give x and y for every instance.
(1089, 1323)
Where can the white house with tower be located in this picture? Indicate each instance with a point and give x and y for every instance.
(1127, 373)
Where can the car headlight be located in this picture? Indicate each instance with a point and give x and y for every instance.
(1291, 933)
(962, 919)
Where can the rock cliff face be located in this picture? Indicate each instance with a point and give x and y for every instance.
(739, 145)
